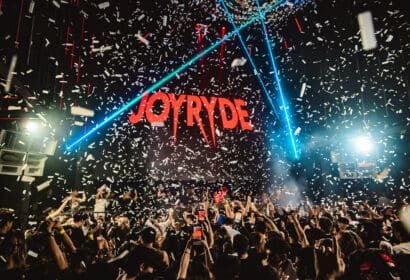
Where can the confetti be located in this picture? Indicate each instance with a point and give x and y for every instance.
(367, 32)
(104, 5)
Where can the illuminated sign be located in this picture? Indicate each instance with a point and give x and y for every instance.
(194, 105)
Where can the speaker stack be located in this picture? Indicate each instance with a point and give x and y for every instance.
(23, 154)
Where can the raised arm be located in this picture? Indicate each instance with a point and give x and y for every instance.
(299, 230)
(59, 257)
(209, 262)
(66, 238)
(59, 210)
(228, 210)
(184, 265)
(208, 228)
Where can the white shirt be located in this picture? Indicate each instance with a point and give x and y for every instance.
(402, 248)
(231, 232)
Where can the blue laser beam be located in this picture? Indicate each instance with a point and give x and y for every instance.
(277, 79)
(245, 49)
(168, 77)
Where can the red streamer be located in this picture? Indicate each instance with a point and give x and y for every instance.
(221, 52)
(82, 28)
(88, 88)
(298, 25)
(66, 39)
(16, 42)
(285, 43)
(16, 119)
(198, 28)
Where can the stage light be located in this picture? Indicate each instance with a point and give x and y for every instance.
(363, 145)
(32, 126)
(276, 76)
(168, 77)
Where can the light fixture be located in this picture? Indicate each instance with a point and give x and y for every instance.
(363, 145)
(32, 126)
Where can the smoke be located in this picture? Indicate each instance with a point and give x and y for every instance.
(289, 183)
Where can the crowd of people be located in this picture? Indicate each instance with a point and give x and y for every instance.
(204, 233)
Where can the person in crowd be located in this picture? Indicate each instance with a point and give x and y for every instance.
(206, 233)
(103, 193)
(402, 236)
(6, 221)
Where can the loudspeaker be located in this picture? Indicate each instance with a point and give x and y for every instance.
(12, 162)
(366, 169)
(357, 170)
(21, 153)
(21, 142)
(347, 171)
(35, 165)
(14, 141)
(42, 146)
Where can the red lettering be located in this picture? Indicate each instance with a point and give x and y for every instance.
(210, 107)
(231, 112)
(242, 114)
(135, 118)
(176, 104)
(151, 117)
(193, 108)
(227, 123)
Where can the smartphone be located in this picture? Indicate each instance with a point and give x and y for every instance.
(221, 219)
(197, 235)
(201, 215)
(238, 217)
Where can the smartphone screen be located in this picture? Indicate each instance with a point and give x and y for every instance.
(201, 215)
(221, 219)
(197, 233)
(238, 217)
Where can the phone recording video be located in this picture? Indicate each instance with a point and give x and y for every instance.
(197, 235)
(201, 215)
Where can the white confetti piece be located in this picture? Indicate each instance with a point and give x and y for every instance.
(302, 90)
(14, 108)
(367, 32)
(31, 7)
(297, 131)
(104, 5)
(78, 123)
(142, 39)
(44, 185)
(56, 4)
(10, 73)
(80, 111)
(238, 62)
(28, 179)
(32, 254)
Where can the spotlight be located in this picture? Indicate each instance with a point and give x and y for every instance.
(363, 145)
(32, 126)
